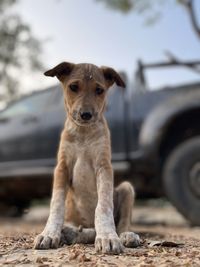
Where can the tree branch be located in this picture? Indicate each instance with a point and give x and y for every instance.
(189, 4)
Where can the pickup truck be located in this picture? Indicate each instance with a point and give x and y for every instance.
(155, 144)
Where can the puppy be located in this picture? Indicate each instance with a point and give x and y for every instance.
(83, 177)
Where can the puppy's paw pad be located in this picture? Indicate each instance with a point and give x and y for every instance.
(130, 239)
(46, 241)
(108, 245)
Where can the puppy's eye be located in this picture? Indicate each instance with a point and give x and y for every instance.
(99, 91)
(74, 87)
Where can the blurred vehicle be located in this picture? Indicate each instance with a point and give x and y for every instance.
(155, 143)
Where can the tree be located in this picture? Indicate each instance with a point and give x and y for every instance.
(19, 50)
(148, 8)
(151, 9)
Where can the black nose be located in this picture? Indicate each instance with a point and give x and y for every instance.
(86, 116)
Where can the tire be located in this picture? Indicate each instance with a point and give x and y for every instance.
(181, 179)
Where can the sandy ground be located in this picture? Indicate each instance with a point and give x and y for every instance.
(151, 222)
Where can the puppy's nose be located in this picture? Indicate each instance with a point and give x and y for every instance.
(86, 116)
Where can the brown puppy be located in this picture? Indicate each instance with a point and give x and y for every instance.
(83, 176)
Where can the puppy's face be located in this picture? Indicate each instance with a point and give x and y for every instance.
(85, 88)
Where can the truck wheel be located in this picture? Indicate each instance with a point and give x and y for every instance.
(181, 179)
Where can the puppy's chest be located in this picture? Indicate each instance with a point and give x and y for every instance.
(81, 159)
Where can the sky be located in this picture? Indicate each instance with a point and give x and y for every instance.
(86, 31)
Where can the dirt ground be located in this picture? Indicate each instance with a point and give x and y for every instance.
(151, 221)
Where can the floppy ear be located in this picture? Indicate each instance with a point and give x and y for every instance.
(111, 77)
(61, 70)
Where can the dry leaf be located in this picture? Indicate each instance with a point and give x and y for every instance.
(164, 243)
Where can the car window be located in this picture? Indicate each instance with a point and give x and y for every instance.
(31, 104)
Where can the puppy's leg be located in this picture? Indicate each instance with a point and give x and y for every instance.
(50, 237)
(77, 235)
(124, 196)
(107, 239)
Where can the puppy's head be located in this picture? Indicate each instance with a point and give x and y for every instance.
(85, 88)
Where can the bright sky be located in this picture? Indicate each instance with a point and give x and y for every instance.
(86, 31)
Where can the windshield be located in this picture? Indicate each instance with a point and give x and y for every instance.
(32, 104)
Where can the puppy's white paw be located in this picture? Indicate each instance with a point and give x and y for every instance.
(108, 243)
(47, 240)
(130, 239)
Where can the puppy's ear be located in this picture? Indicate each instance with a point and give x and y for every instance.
(111, 77)
(60, 71)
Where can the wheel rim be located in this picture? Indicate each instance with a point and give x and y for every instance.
(195, 179)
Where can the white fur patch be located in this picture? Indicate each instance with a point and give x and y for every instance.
(57, 212)
(104, 220)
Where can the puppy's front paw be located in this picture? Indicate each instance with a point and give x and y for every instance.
(47, 240)
(130, 239)
(108, 243)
